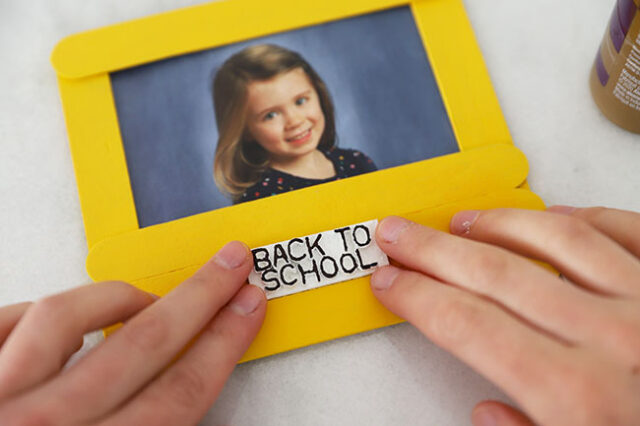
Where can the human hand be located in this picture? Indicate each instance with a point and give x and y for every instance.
(130, 378)
(567, 351)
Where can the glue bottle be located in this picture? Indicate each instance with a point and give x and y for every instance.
(615, 76)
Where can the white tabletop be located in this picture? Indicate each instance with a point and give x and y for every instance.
(538, 54)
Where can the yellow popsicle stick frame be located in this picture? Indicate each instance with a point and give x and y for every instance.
(485, 173)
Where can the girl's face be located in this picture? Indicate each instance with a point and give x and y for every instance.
(284, 115)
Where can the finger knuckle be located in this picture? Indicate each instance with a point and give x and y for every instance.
(228, 337)
(185, 386)
(206, 285)
(220, 331)
(576, 232)
(455, 321)
(424, 241)
(51, 309)
(200, 280)
(489, 269)
(147, 333)
(593, 213)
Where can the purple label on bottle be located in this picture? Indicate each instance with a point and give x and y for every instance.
(603, 75)
(626, 11)
(615, 31)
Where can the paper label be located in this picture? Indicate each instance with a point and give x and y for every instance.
(317, 260)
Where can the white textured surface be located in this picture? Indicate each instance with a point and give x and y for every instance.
(538, 54)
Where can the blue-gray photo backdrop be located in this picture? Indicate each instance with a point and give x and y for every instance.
(387, 105)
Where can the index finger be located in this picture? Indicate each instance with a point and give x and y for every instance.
(137, 352)
(522, 361)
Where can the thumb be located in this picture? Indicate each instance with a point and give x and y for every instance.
(494, 413)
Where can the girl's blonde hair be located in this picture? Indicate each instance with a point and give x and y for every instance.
(239, 160)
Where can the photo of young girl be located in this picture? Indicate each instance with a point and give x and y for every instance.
(276, 126)
(257, 112)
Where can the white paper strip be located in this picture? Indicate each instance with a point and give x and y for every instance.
(317, 260)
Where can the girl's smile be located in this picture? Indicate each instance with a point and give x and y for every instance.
(285, 116)
(300, 138)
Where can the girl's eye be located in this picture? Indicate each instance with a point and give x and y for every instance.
(301, 101)
(269, 116)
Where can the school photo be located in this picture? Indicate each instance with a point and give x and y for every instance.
(266, 116)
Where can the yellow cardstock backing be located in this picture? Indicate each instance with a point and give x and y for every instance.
(486, 173)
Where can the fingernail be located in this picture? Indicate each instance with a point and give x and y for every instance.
(384, 277)
(232, 255)
(484, 417)
(567, 210)
(391, 227)
(247, 300)
(462, 221)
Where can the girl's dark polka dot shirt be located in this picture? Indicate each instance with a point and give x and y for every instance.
(346, 162)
